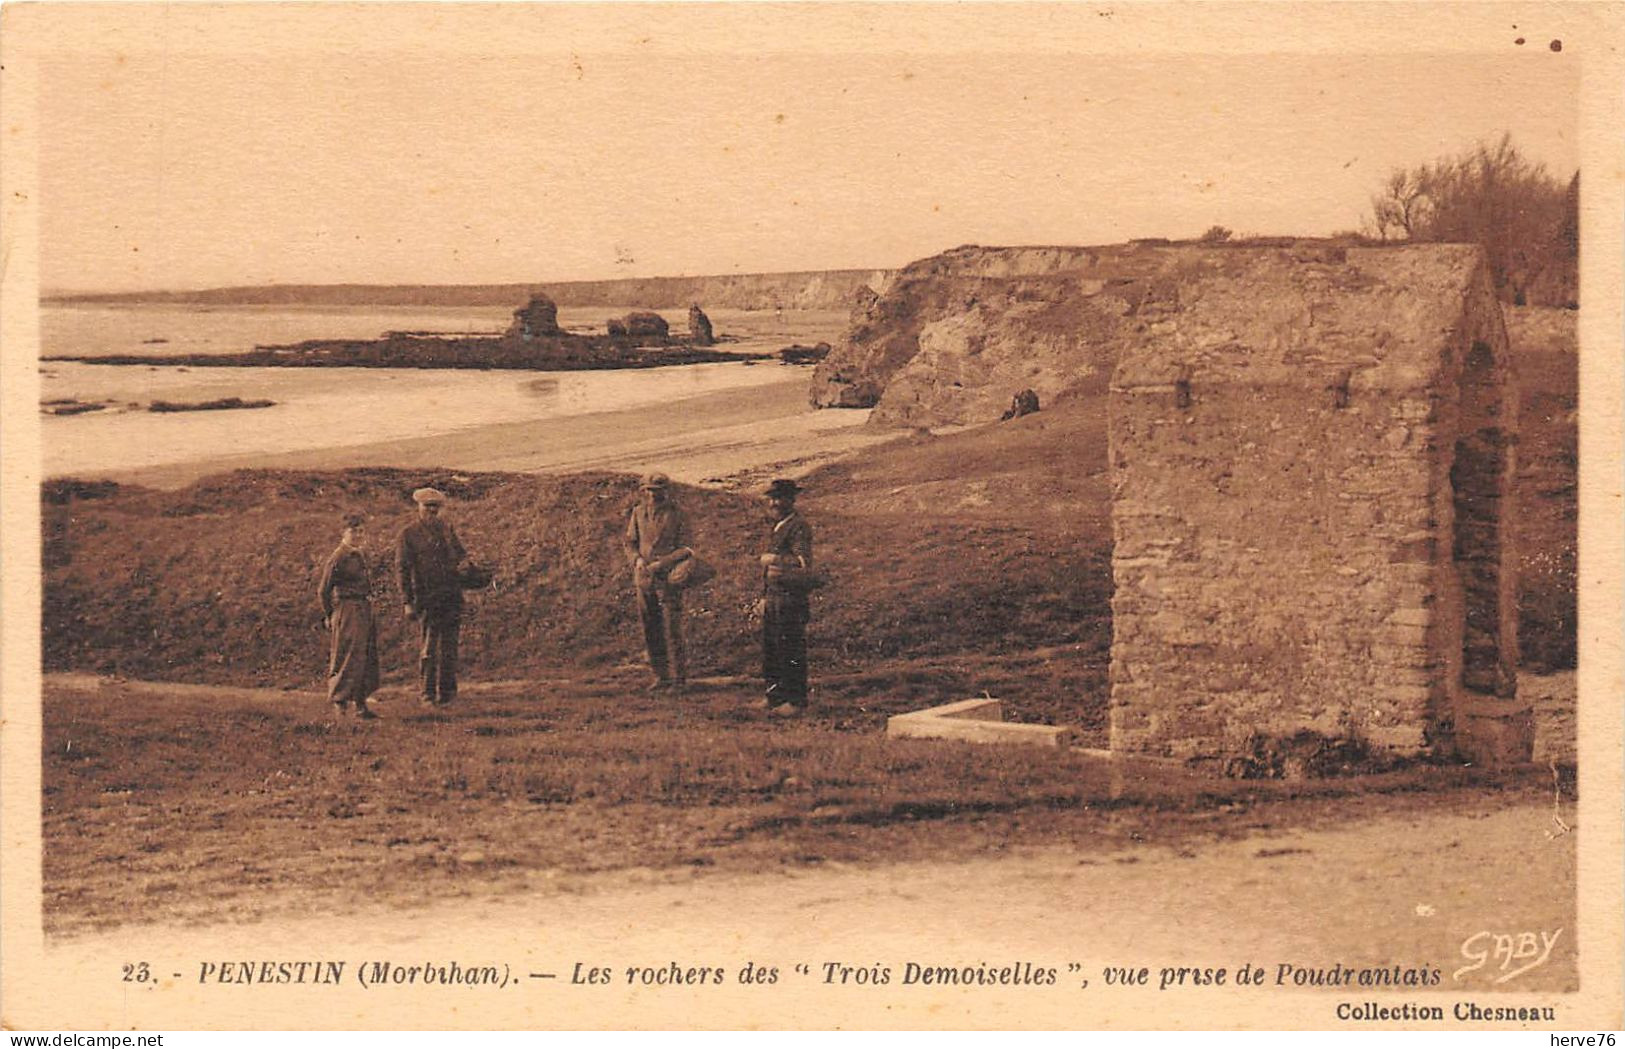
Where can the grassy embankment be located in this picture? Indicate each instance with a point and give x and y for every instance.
(215, 583)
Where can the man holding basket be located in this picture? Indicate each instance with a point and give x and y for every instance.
(656, 542)
(788, 579)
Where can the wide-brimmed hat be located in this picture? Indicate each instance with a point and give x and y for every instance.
(783, 487)
(653, 481)
(429, 496)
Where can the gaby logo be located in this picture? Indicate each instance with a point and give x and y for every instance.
(1516, 952)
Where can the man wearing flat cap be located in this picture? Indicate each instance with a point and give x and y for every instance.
(428, 556)
(786, 568)
(656, 539)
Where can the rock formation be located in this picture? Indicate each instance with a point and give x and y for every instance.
(965, 297)
(799, 354)
(699, 327)
(1023, 403)
(640, 324)
(1044, 334)
(537, 318)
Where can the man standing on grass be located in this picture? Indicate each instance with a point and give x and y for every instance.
(786, 583)
(428, 557)
(656, 539)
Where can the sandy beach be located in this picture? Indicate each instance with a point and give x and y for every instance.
(729, 437)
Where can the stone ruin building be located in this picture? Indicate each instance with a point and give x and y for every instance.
(1311, 454)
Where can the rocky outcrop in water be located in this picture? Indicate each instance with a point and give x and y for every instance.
(563, 352)
(699, 327)
(799, 354)
(538, 317)
(638, 324)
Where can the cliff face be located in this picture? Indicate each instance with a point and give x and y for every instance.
(957, 335)
(1042, 334)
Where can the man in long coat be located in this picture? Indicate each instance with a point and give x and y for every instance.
(428, 557)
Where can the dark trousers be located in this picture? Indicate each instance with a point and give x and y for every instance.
(661, 610)
(437, 659)
(784, 647)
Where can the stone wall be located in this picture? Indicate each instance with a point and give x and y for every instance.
(1311, 455)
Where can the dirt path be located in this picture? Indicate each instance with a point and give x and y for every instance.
(1410, 892)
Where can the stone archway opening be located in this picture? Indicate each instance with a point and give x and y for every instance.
(1478, 476)
(1490, 726)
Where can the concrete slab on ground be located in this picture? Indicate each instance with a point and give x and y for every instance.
(974, 721)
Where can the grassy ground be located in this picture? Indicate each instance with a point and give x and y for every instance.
(213, 805)
(1548, 457)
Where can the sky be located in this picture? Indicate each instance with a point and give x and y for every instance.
(161, 169)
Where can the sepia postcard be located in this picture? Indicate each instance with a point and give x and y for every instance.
(812, 516)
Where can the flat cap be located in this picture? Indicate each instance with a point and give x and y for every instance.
(429, 495)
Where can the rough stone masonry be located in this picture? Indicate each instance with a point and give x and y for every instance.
(1311, 450)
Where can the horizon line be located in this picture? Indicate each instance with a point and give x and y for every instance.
(1239, 240)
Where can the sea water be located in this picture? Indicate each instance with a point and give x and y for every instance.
(149, 330)
(317, 408)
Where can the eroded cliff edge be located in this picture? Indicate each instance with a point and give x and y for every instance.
(957, 335)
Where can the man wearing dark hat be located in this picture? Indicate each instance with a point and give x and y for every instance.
(428, 557)
(656, 531)
(785, 607)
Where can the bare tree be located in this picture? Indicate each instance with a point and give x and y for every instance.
(1491, 195)
(1399, 208)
